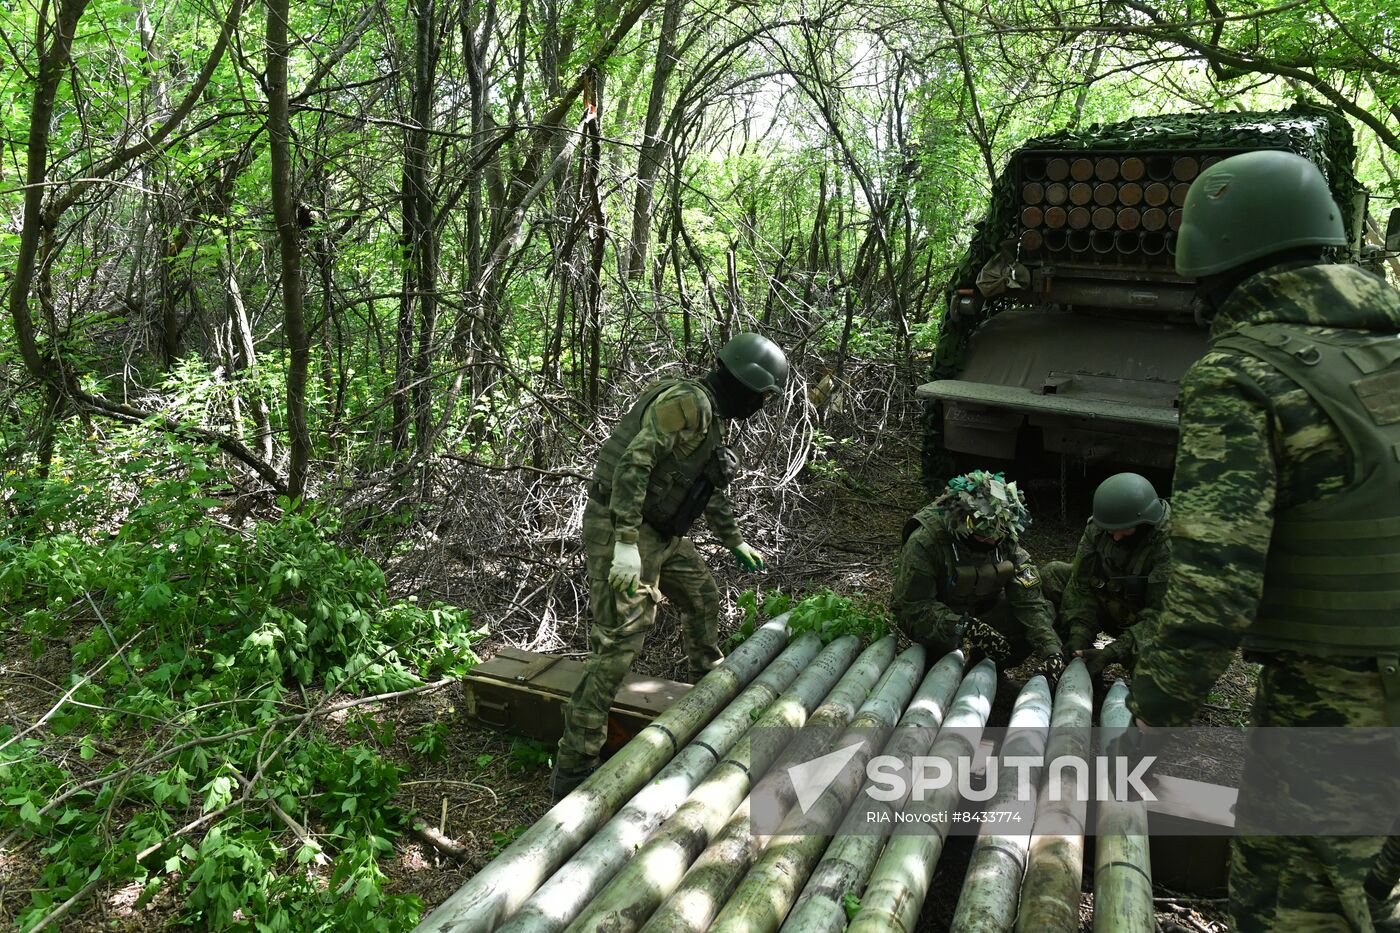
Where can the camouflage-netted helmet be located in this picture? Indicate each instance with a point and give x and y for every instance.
(755, 361)
(1251, 205)
(985, 504)
(1126, 500)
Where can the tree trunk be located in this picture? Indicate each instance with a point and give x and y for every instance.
(52, 65)
(418, 204)
(653, 146)
(597, 234)
(279, 133)
(243, 358)
(474, 51)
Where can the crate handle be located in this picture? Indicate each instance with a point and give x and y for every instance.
(502, 708)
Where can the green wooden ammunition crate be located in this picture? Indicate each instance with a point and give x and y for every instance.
(524, 692)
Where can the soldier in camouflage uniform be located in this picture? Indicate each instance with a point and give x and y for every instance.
(962, 576)
(1286, 533)
(663, 466)
(1119, 574)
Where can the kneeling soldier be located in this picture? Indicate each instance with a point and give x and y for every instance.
(962, 576)
(1119, 574)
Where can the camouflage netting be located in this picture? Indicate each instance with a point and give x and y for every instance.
(1311, 130)
(1315, 132)
(983, 503)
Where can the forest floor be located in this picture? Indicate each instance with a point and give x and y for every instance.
(840, 531)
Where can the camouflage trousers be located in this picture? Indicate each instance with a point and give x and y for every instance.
(1307, 883)
(1054, 578)
(671, 570)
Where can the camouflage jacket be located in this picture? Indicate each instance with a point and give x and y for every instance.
(1116, 586)
(1252, 442)
(925, 572)
(676, 422)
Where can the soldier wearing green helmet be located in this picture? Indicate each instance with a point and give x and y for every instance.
(1286, 524)
(962, 576)
(661, 469)
(1119, 574)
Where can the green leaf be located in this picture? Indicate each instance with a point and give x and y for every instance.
(218, 793)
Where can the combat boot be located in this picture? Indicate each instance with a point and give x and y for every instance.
(564, 781)
(701, 662)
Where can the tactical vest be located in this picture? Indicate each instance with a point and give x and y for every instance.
(1332, 579)
(1129, 585)
(671, 477)
(975, 580)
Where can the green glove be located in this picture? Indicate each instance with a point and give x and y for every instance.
(626, 570)
(747, 558)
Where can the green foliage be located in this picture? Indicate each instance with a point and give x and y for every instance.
(431, 740)
(850, 902)
(826, 613)
(823, 461)
(500, 839)
(528, 755)
(217, 642)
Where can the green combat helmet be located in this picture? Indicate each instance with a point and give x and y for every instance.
(1251, 205)
(1126, 500)
(755, 361)
(985, 504)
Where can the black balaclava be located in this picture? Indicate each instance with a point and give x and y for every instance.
(733, 399)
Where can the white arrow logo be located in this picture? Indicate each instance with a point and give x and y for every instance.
(811, 778)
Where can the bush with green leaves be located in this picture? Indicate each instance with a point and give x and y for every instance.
(191, 752)
(827, 613)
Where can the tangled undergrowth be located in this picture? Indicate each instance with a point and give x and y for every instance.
(199, 661)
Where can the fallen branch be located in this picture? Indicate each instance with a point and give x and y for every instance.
(58, 912)
(82, 681)
(429, 835)
(231, 446)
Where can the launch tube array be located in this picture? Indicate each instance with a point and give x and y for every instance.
(703, 821)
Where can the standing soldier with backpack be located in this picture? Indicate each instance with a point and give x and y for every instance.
(663, 467)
